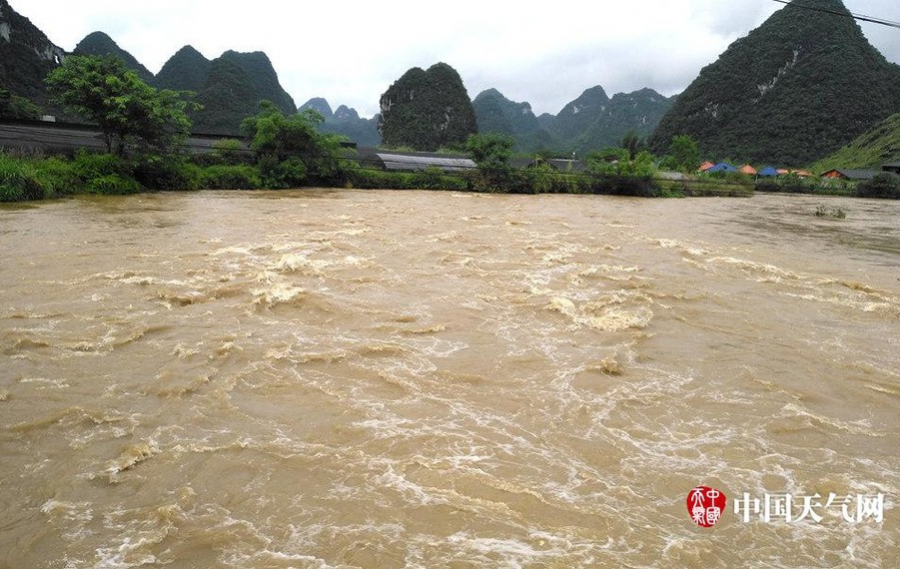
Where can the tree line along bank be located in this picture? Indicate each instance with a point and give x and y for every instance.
(144, 131)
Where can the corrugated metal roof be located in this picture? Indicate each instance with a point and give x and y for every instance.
(855, 174)
(417, 163)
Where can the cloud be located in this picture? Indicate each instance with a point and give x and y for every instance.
(351, 52)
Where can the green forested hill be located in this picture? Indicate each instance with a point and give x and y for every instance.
(98, 43)
(228, 97)
(638, 112)
(262, 74)
(795, 89)
(346, 122)
(869, 151)
(187, 70)
(427, 110)
(575, 118)
(320, 105)
(497, 114)
(229, 88)
(594, 120)
(26, 57)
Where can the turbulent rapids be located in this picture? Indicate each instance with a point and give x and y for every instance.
(347, 379)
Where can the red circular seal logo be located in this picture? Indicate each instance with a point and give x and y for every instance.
(706, 505)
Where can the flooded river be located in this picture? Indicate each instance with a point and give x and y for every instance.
(346, 379)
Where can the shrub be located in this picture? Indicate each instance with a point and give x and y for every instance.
(231, 178)
(19, 181)
(834, 213)
(281, 174)
(90, 165)
(225, 152)
(618, 185)
(768, 185)
(113, 184)
(433, 178)
(429, 178)
(884, 186)
(104, 174)
(792, 183)
(167, 173)
(231, 151)
(366, 179)
(58, 176)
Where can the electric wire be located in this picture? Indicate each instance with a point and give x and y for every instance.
(858, 17)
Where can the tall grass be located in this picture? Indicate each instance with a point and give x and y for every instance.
(21, 180)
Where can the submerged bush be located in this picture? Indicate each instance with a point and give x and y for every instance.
(113, 184)
(167, 173)
(90, 165)
(19, 181)
(833, 213)
(36, 178)
(230, 178)
(58, 177)
(431, 179)
(105, 174)
(884, 186)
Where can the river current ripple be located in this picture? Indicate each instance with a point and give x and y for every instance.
(339, 379)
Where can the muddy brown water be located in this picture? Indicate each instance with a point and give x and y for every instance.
(348, 379)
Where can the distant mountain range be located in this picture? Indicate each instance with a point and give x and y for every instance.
(592, 121)
(799, 87)
(229, 87)
(495, 113)
(347, 122)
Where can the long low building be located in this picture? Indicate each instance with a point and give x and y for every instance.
(851, 175)
(66, 138)
(416, 163)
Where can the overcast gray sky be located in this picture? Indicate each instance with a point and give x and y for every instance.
(350, 52)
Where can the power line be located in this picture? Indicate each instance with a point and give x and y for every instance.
(859, 17)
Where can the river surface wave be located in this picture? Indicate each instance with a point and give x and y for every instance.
(344, 379)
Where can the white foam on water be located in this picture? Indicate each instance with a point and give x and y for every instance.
(45, 383)
(278, 293)
(246, 250)
(860, 427)
(295, 262)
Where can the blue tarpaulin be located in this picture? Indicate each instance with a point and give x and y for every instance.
(722, 167)
(768, 172)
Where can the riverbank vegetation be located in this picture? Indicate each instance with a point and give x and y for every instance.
(145, 132)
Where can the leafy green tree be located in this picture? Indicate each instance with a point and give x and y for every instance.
(685, 153)
(633, 144)
(128, 110)
(14, 107)
(291, 149)
(490, 150)
(607, 160)
(491, 153)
